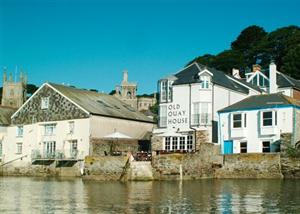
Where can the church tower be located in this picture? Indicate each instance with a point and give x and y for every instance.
(14, 92)
(127, 91)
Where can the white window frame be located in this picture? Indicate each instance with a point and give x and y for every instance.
(274, 118)
(205, 82)
(49, 129)
(189, 143)
(19, 148)
(45, 103)
(243, 147)
(243, 120)
(71, 127)
(163, 91)
(167, 146)
(163, 116)
(20, 131)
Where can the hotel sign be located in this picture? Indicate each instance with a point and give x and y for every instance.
(177, 115)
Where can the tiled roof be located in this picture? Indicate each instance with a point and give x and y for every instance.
(262, 101)
(100, 104)
(190, 75)
(284, 81)
(5, 114)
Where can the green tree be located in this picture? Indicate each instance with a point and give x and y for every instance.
(291, 62)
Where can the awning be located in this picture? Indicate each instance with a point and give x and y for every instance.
(117, 135)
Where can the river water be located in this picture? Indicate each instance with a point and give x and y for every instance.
(40, 195)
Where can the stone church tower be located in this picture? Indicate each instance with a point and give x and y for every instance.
(14, 92)
(127, 91)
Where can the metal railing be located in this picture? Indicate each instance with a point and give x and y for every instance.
(37, 154)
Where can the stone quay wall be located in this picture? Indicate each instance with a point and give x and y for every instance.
(41, 170)
(201, 164)
(263, 165)
(105, 167)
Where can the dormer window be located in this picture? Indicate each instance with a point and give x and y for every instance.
(205, 82)
(45, 103)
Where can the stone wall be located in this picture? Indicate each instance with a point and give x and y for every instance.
(41, 170)
(201, 164)
(104, 168)
(140, 171)
(157, 143)
(100, 147)
(297, 126)
(290, 167)
(262, 165)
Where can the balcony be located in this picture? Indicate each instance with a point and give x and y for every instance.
(47, 158)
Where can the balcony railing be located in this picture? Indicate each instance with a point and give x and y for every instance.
(203, 119)
(37, 154)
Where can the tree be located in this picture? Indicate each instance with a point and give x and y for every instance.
(291, 62)
(227, 60)
(248, 37)
(31, 88)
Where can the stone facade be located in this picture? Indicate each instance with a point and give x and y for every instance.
(60, 108)
(264, 165)
(102, 147)
(201, 164)
(105, 168)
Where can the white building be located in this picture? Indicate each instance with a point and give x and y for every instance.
(255, 124)
(58, 122)
(5, 114)
(189, 102)
(272, 81)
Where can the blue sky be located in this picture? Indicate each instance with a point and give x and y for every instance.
(88, 43)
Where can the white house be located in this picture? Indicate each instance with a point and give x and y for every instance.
(189, 101)
(255, 124)
(58, 122)
(272, 81)
(5, 114)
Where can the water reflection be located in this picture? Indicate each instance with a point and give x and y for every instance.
(32, 195)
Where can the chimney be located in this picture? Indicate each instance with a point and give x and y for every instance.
(272, 78)
(125, 76)
(236, 73)
(4, 75)
(256, 67)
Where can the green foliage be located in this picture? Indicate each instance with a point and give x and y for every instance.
(292, 152)
(254, 45)
(31, 88)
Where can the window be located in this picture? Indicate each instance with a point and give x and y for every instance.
(182, 143)
(0, 148)
(163, 116)
(49, 149)
(174, 143)
(204, 116)
(237, 120)
(167, 143)
(45, 103)
(19, 148)
(189, 142)
(267, 118)
(205, 82)
(169, 91)
(73, 148)
(243, 147)
(49, 129)
(71, 127)
(266, 146)
(196, 114)
(163, 92)
(20, 131)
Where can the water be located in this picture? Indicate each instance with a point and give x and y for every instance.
(39, 195)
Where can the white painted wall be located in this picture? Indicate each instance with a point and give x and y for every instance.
(103, 126)
(252, 132)
(33, 138)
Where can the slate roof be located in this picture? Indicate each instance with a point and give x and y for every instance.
(190, 75)
(5, 114)
(262, 101)
(100, 104)
(284, 81)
